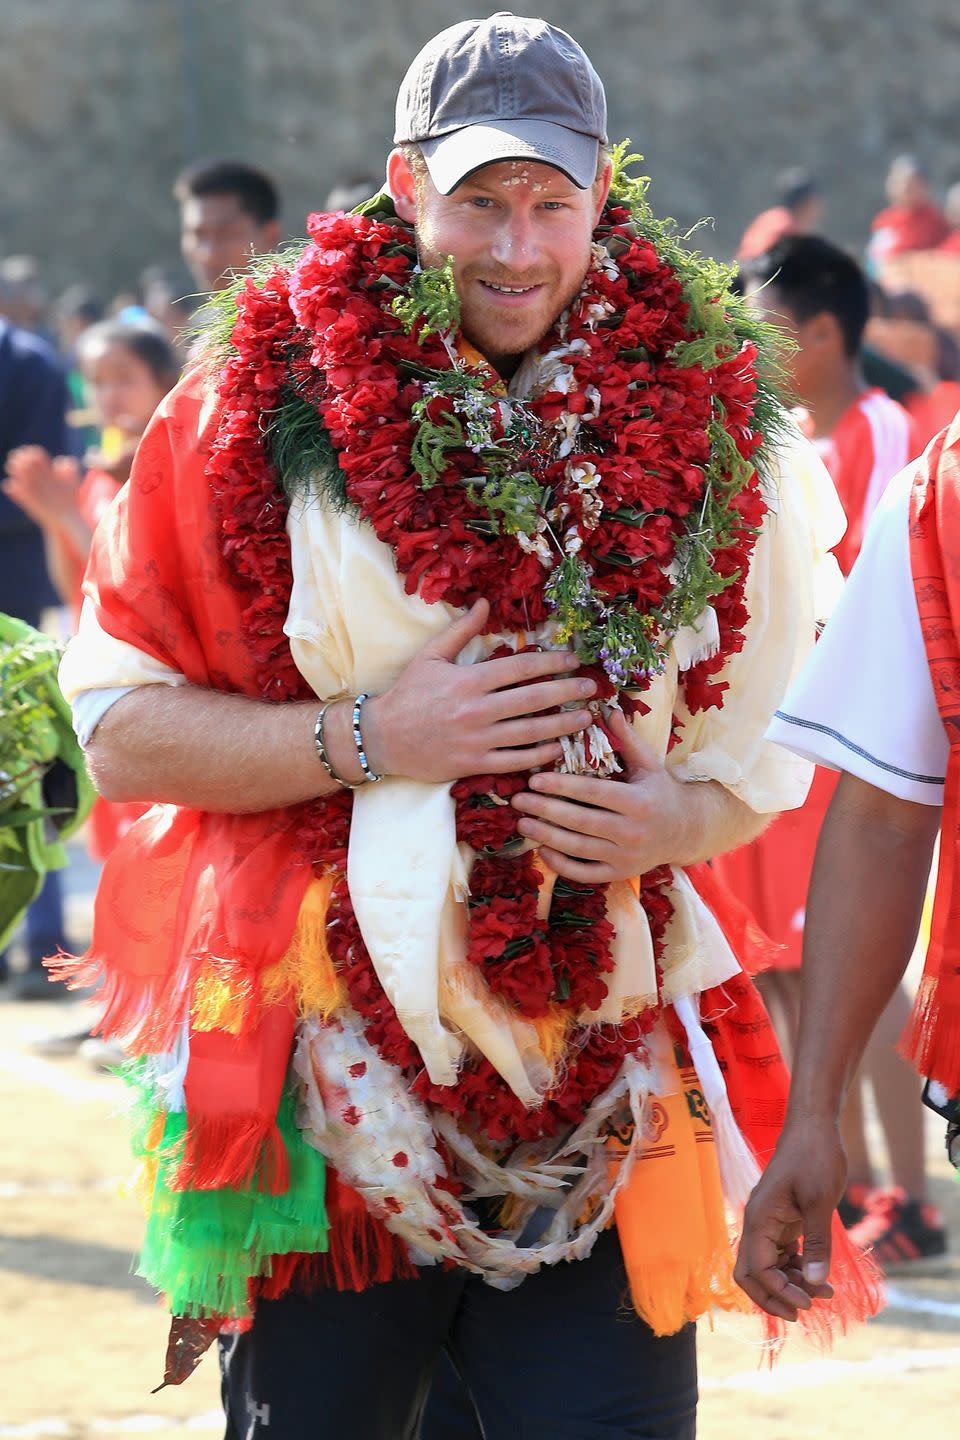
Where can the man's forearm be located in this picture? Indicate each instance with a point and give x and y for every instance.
(716, 820)
(863, 912)
(187, 746)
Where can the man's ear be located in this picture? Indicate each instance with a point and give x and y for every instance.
(271, 235)
(403, 186)
(822, 332)
(601, 191)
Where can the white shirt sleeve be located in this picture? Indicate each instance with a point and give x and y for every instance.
(89, 707)
(864, 702)
(97, 670)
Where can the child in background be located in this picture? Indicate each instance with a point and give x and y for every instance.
(128, 366)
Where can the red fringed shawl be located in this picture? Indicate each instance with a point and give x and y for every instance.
(186, 888)
(932, 1040)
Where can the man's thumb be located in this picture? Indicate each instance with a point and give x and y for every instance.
(635, 752)
(448, 644)
(816, 1245)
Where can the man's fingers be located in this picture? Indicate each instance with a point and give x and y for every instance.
(794, 1274)
(583, 819)
(546, 695)
(768, 1275)
(767, 1299)
(816, 1244)
(448, 644)
(583, 789)
(528, 665)
(510, 762)
(584, 872)
(534, 729)
(636, 753)
(567, 842)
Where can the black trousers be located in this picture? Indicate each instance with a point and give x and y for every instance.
(563, 1357)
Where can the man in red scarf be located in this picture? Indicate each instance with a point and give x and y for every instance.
(351, 1014)
(879, 702)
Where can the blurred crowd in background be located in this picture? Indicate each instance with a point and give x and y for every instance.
(876, 373)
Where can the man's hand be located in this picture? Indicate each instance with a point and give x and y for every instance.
(594, 831)
(441, 721)
(793, 1201)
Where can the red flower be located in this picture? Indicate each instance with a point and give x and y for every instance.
(327, 332)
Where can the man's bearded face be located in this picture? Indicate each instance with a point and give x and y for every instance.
(519, 233)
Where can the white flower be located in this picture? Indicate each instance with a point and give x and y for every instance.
(537, 543)
(584, 476)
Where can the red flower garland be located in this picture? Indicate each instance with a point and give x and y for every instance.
(327, 332)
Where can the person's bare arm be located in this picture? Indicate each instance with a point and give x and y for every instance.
(47, 490)
(438, 722)
(863, 912)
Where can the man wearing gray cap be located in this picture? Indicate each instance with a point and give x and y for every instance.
(413, 966)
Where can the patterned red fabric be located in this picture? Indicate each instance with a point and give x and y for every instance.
(932, 1039)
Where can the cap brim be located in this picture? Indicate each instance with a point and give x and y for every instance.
(451, 158)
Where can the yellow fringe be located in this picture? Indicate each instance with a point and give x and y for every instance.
(143, 1182)
(221, 997)
(552, 1032)
(306, 976)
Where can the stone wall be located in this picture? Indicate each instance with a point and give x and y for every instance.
(102, 102)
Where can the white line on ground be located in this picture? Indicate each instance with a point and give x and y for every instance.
(898, 1299)
(830, 1372)
(31, 1070)
(51, 1427)
(69, 1189)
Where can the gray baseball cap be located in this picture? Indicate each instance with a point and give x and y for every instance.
(504, 88)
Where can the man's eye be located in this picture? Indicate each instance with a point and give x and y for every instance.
(482, 202)
(553, 205)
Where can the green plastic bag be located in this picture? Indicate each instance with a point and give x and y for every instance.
(45, 792)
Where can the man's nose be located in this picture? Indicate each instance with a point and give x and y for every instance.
(515, 244)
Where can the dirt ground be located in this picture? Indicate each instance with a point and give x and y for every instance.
(83, 1339)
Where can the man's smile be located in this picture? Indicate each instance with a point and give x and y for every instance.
(509, 294)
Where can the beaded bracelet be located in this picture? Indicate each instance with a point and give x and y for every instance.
(358, 739)
(324, 757)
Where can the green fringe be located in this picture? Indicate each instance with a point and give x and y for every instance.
(202, 1248)
(303, 455)
(430, 296)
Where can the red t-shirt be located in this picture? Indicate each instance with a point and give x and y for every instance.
(900, 229)
(764, 232)
(871, 442)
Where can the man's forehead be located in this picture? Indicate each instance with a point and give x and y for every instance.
(511, 174)
(224, 205)
(767, 300)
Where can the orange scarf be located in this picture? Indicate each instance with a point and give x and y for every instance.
(932, 1039)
